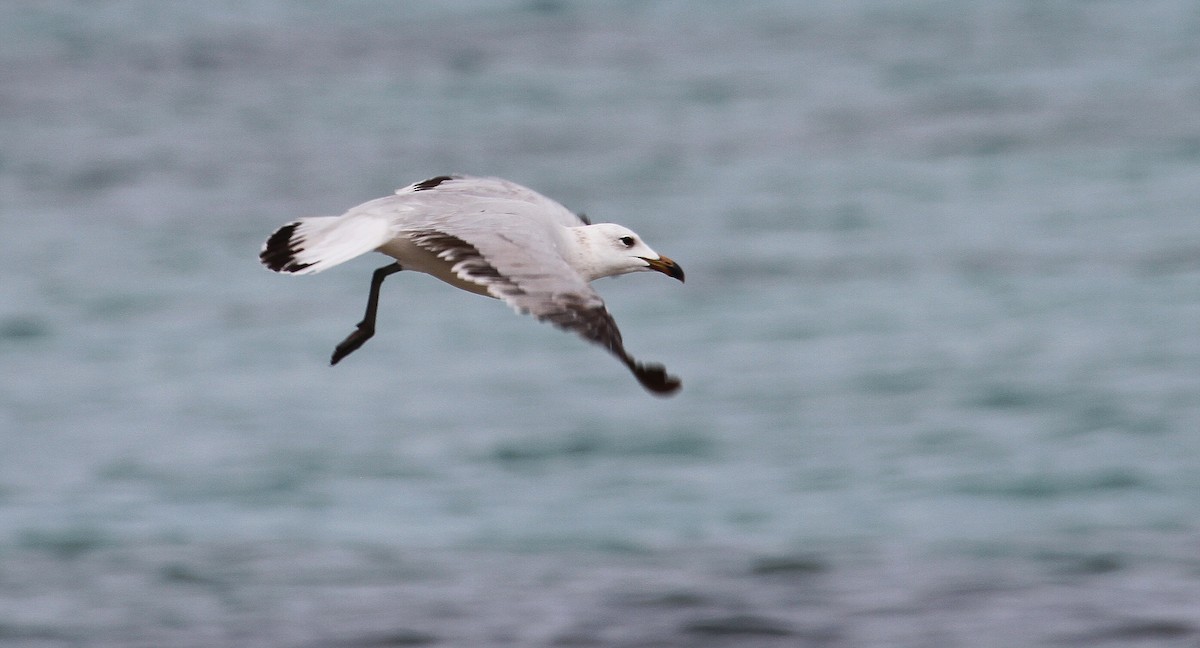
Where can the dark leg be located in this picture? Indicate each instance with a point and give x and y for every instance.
(366, 328)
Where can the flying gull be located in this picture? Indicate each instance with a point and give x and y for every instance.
(488, 236)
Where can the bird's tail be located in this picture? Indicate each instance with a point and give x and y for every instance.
(313, 244)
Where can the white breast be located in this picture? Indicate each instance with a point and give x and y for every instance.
(413, 257)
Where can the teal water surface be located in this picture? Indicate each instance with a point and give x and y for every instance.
(938, 340)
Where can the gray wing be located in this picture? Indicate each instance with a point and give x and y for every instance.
(460, 187)
(506, 238)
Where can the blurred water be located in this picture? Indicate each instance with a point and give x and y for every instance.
(938, 341)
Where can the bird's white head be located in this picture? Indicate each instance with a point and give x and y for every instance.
(607, 249)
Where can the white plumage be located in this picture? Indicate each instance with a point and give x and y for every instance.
(488, 236)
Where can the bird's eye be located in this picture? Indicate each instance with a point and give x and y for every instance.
(627, 241)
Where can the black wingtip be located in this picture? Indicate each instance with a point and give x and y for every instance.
(656, 380)
(279, 253)
(425, 185)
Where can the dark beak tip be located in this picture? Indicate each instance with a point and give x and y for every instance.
(665, 266)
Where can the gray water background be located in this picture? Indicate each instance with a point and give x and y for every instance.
(939, 338)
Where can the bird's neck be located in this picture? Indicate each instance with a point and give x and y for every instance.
(583, 253)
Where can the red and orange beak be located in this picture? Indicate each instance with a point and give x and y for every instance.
(665, 266)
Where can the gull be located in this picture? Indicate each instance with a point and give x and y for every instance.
(487, 236)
